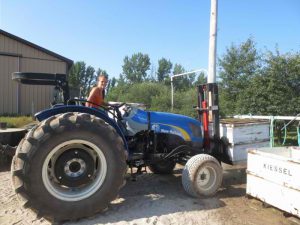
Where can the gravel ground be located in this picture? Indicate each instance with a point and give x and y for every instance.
(161, 200)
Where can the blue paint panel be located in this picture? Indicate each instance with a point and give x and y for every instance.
(177, 120)
(140, 117)
(166, 129)
(82, 109)
(162, 122)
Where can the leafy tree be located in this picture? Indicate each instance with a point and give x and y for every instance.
(135, 67)
(81, 78)
(121, 81)
(251, 82)
(138, 92)
(276, 91)
(164, 69)
(156, 96)
(167, 81)
(184, 102)
(161, 102)
(89, 80)
(76, 74)
(237, 67)
(182, 82)
(113, 82)
(152, 76)
(179, 82)
(201, 79)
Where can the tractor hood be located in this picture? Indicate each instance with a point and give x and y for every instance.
(186, 127)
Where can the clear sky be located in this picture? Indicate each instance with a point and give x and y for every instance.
(103, 32)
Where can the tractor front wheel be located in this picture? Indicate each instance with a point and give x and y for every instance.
(69, 166)
(202, 175)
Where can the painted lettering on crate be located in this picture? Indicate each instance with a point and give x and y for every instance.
(277, 169)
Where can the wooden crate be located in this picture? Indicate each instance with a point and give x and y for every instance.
(243, 134)
(273, 177)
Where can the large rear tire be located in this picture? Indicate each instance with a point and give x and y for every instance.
(202, 175)
(69, 166)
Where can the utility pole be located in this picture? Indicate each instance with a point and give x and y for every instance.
(212, 42)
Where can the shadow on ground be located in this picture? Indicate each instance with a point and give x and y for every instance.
(5, 162)
(158, 195)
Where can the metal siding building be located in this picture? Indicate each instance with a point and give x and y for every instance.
(19, 55)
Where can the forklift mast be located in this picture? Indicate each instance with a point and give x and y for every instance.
(208, 113)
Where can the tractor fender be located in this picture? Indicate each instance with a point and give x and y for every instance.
(40, 116)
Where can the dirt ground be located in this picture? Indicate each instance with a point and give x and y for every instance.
(161, 200)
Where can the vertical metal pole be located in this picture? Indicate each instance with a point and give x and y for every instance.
(172, 94)
(212, 42)
(18, 87)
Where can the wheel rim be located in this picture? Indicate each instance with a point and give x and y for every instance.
(74, 170)
(206, 178)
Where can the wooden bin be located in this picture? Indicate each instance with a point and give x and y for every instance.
(273, 176)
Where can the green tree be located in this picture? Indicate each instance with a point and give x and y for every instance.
(152, 75)
(201, 79)
(76, 74)
(81, 78)
(89, 80)
(135, 67)
(156, 96)
(237, 67)
(121, 81)
(113, 82)
(101, 71)
(276, 91)
(138, 92)
(164, 69)
(182, 82)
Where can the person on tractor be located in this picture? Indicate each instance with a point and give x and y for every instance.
(97, 94)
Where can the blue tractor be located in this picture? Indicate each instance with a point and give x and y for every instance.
(73, 163)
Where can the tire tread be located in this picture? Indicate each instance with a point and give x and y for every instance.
(30, 144)
(190, 171)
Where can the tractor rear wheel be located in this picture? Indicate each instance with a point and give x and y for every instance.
(202, 175)
(69, 166)
(163, 167)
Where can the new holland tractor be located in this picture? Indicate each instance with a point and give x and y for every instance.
(72, 164)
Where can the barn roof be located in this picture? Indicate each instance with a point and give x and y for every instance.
(68, 61)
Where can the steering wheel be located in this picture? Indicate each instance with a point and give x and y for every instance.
(116, 106)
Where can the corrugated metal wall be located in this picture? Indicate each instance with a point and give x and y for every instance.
(8, 89)
(24, 58)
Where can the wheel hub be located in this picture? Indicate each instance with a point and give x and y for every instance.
(74, 167)
(203, 177)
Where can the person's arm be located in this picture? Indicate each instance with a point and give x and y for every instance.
(92, 98)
